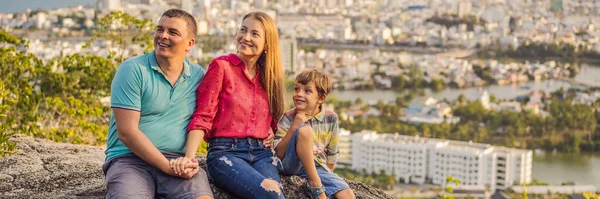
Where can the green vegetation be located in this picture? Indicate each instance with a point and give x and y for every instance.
(6, 146)
(379, 180)
(541, 52)
(449, 189)
(124, 30)
(569, 128)
(453, 20)
(58, 100)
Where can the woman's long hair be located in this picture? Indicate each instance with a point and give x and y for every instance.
(271, 71)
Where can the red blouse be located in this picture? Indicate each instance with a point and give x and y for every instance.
(230, 104)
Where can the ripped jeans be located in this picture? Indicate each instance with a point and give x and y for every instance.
(241, 166)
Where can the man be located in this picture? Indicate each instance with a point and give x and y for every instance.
(153, 98)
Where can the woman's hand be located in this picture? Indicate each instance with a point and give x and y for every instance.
(184, 167)
(268, 142)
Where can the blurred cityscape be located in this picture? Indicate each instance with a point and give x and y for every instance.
(497, 93)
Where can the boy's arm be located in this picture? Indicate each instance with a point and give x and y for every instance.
(332, 147)
(299, 119)
(331, 166)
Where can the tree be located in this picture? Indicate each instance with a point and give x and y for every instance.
(461, 98)
(125, 31)
(59, 100)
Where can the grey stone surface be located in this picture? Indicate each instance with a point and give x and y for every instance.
(45, 169)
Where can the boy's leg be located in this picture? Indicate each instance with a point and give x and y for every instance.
(128, 177)
(304, 149)
(236, 176)
(290, 164)
(334, 185)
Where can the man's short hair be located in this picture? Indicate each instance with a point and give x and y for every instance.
(320, 79)
(187, 17)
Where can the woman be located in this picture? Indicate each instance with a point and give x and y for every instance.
(238, 104)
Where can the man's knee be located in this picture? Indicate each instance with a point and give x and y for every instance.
(345, 194)
(270, 186)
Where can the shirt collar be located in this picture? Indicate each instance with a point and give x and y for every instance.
(319, 116)
(154, 65)
(235, 60)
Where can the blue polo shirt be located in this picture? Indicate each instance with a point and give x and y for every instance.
(165, 110)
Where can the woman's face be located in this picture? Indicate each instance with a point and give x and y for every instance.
(250, 38)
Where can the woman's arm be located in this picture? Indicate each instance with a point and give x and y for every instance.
(207, 98)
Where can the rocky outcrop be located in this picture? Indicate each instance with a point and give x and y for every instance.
(45, 169)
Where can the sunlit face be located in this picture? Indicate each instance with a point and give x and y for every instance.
(306, 97)
(250, 38)
(172, 38)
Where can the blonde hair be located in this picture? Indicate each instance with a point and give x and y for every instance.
(271, 71)
(321, 80)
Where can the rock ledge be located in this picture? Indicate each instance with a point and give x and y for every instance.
(45, 169)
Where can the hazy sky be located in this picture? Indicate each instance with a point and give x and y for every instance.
(11, 6)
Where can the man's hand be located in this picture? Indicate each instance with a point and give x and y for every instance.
(184, 167)
(269, 140)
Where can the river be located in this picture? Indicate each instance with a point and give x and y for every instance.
(551, 168)
(557, 168)
(588, 74)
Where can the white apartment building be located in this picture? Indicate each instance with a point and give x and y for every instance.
(345, 149)
(416, 160)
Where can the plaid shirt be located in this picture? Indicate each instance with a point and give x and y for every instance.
(325, 134)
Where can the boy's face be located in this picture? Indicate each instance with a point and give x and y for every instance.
(306, 97)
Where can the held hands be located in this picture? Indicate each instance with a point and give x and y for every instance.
(184, 167)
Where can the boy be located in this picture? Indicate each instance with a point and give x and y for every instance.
(311, 150)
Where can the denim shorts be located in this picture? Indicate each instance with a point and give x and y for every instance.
(291, 165)
(239, 166)
(128, 176)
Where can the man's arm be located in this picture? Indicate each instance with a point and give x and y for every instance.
(129, 133)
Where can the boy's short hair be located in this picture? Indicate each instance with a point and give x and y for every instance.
(321, 80)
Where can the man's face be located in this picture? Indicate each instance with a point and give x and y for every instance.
(172, 38)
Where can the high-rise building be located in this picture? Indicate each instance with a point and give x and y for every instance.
(556, 5)
(202, 27)
(108, 5)
(464, 8)
(146, 1)
(187, 5)
(416, 160)
(260, 3)
(288, 50)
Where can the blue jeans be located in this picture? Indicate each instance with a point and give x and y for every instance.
(240, 166)
(291, 165)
